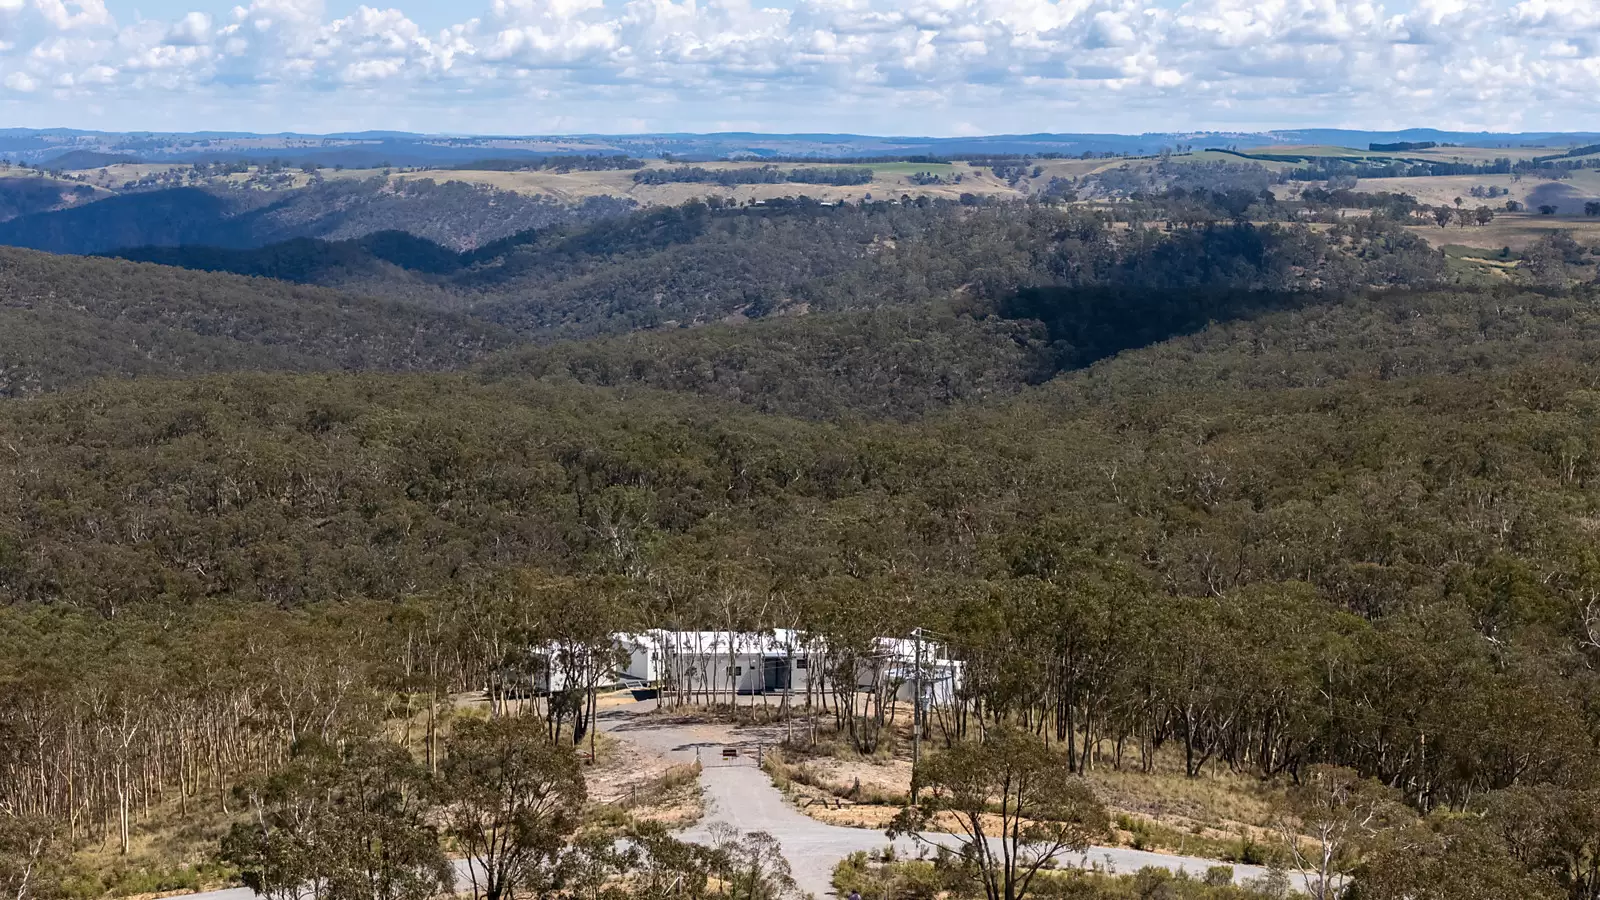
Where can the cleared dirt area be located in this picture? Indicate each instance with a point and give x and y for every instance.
(1442, 190)
(1513, 231)
(627, 782)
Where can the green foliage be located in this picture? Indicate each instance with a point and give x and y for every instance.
(455, 214)
(124, 879)
(1013, 777)
(888, 363)
(348, 823)
(65, 321)
(513, 798)
(894, 879)
(32, 856)
(888, 878)
(1450, 856)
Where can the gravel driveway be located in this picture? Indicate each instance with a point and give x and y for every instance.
(743, 796)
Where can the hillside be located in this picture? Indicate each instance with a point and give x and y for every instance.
(700, 264)
(455, 214)
(1312, 532)
(530, 460)
(65, 320)
(892, 363)
(375, 256)
(22, 195)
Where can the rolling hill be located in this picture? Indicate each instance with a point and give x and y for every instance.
(454, 214)
(65, 320)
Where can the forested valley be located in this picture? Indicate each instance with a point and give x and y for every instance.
(1285, 502)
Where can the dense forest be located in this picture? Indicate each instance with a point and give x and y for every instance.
(1269, 499)
(701, 263)
(455, 214)
(65, 320)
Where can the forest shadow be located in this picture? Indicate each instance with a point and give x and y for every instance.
(1087, 324)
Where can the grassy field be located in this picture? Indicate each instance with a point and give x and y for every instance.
(1509, 231)
(889, 180)
(906, 168)
(1480, 155)
(1441, 190)
(1309, 150)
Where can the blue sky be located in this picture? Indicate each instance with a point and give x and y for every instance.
(934, 67)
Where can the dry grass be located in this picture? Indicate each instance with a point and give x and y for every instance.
(1481, 155)
(1441, 190)
(1220, 814)
(574, 187)
(1507, 230)
(627, 784)
(168, 853)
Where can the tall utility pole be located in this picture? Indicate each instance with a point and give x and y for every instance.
(916, 714)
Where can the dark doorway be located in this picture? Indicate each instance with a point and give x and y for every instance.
(775, 673)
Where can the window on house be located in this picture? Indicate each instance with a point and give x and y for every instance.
(801, 663)
(735, 671)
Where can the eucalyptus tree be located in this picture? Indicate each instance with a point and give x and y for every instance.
(353, 822)
(511, 798)
(1016, 804)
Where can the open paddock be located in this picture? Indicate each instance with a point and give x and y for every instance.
(1513, 231)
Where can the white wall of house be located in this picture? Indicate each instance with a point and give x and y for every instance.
(712, 661)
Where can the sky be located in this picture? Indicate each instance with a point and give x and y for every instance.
(912, 67)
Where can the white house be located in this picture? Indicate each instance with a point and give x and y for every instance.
(722, 662)
(895, 660)
(713, 661)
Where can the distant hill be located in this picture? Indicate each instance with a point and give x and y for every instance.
(698, 264)
(24, 195)
(454, 214)
(68, 319)
(309, 260)
(178, 216)
(87, 159)
(402, 149)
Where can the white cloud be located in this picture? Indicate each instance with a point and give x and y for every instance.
(1556, 15)
(928, 65)
(193, 30)
(70, 15)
